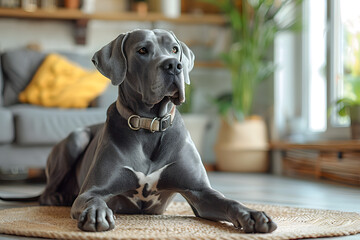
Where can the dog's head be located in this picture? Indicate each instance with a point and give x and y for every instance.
(153, 62)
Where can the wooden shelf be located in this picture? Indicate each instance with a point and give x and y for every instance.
(330, 146)
(60, 14)
(81, 21)
(66, 14)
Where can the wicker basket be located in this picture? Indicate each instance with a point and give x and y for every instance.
(242, 146)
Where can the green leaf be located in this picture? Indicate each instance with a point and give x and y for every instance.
(343, 112)
(343, 105)
(345, 102)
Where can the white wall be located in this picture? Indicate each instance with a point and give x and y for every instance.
(55, 35)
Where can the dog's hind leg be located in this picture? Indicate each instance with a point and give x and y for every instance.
(62, 187)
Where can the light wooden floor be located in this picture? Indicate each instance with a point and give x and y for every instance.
(255, 188)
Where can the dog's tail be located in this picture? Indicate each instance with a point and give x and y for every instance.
(20, 199)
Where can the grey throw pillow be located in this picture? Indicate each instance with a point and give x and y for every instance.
(19, 66)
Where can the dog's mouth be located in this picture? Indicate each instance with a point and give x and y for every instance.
(173, 95)
(176, 98)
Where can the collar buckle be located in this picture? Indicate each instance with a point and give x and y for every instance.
(165, 122)
(129, 122)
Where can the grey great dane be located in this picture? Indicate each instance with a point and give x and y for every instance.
(142, 155)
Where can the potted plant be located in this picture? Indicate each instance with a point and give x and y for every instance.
(242, 141)
(349, 105)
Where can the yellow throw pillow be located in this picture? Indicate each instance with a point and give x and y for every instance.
(60, 83)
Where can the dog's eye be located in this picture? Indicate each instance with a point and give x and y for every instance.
(142, 51)
(175, 50)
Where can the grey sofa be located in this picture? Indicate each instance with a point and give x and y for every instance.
(28, 132)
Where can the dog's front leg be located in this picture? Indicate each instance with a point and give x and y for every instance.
(188, 177)
(210, 204)
(106, 179)
(92, 213)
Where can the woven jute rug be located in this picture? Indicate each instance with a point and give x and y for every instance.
(178, 223)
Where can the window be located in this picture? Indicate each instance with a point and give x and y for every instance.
(346, 56)
(315, 63)
(331, 61)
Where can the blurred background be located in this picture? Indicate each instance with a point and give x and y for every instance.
(275, 88)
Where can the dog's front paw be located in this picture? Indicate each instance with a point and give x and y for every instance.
(251, 221)
(95, 219)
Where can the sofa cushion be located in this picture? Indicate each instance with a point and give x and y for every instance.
(42, 126)
(83, 60)
(108, 97)
(18, 66)
(6, 126)
(17, 159)
(59, 82)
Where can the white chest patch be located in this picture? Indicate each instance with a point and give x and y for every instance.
(147, 191)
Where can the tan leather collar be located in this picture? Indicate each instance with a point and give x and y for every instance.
(136, 122)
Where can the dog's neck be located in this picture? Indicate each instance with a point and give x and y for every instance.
(133, 101)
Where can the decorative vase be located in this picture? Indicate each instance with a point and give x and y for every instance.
(49, 5)
(72, 4)
(29, 5)
(242, 146)
(171, 8)
(141, 7)
(88, 6)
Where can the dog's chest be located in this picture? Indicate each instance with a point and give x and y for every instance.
(147, 190)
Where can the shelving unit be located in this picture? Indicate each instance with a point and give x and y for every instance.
(81, 19)
(65, 14)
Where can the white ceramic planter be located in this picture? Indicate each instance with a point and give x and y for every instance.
(196, 125)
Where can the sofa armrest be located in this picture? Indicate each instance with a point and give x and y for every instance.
(107, 97)
(6, 126)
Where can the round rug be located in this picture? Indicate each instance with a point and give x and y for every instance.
(178, 223)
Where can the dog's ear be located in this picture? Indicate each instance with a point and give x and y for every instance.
(187, 59)
(111, 60)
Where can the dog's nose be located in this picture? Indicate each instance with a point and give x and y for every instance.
(172, 66)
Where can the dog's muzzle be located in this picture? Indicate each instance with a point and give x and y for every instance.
(172, 66)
